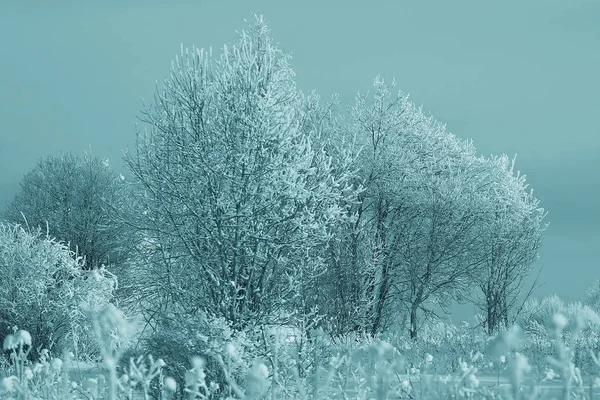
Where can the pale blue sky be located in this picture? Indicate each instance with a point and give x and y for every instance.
(515, 76)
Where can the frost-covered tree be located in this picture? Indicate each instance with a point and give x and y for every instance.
(410, 237)
(434, 245)
(433, 218)
(73, 198)
(46, 292)
(236, 200)
(510, 237)
(360, 281)
(336, 296)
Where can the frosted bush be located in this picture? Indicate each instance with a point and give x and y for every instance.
(541, 311)
(375, 369)
(179, 335)
(43, 288)
(549, 322)
(592, 296)
(446, 343)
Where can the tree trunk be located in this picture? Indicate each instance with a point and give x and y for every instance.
(413, 322)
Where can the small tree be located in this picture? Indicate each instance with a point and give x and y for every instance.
(71, 197)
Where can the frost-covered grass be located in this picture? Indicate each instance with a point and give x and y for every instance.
(315, 367)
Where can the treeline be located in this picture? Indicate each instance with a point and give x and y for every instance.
(253, 202)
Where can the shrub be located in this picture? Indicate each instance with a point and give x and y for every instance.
(448, 344)
(373, 369)
(592, 296)
(580, 332)
(45, 291)
(179, 335)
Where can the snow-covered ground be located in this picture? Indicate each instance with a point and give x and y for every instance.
(79, 371)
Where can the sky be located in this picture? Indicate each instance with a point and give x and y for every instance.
(516, 77)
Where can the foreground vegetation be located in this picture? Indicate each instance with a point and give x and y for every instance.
(288, 366)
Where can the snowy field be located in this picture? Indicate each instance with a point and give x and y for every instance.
(499, 386)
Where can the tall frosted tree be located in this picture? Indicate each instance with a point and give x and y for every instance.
(236, 199)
